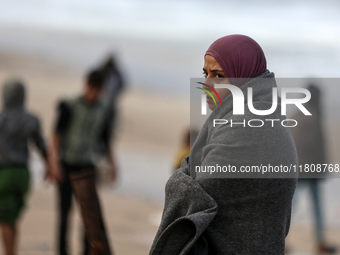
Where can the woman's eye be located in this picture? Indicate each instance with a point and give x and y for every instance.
(219, 76)
(205, 74)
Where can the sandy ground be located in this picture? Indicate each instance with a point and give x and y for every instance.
(149, 134)
(130, 222)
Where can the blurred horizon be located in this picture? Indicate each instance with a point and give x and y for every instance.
(165, 41)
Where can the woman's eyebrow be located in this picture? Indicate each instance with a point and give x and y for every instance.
(213, 70)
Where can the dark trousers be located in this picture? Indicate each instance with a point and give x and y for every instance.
(65, 195)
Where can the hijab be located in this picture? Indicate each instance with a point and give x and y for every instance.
(240, 57)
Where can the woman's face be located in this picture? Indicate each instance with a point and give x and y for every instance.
(214, 75)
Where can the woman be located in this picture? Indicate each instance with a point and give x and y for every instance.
(214, 214)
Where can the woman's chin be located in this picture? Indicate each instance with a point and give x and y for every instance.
(211, 106)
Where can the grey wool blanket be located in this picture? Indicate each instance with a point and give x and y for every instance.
(226, 214)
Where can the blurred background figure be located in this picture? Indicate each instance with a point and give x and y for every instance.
(113, 86)
(82, 134)
(187, 141)
(18, 128)
(310, 144)
(113, 80)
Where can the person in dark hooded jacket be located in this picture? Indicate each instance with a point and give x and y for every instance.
(18, 128)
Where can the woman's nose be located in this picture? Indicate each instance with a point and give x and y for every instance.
(208, 82)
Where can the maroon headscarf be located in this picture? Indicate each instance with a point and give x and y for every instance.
(239, 56)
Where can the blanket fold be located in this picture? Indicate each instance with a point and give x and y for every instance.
(188, 213)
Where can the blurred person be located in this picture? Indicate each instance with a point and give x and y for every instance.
(310, 144)
(18, 129)
(82, 134)
(185, 147)
(210, 215)
(113, 80)
(114, 84)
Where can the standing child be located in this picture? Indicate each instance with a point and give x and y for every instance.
(17, 129)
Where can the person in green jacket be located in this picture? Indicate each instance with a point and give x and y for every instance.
(81, 136)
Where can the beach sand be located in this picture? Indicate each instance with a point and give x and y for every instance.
(131, 224)
(149, 133)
